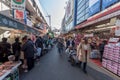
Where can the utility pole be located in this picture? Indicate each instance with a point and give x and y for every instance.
(49, 16)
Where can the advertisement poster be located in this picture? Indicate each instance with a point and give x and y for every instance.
(107, 3)
(94, 6)
(19, 14)
(18, 4)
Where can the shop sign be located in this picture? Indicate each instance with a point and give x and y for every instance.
(18, 4)
(19, 14)
(29, 23)
(10, 23)
(117, 22)
(113, 40)
(117, 31)
(102, 18)
(89, 35)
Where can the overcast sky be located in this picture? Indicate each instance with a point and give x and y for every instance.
(56, 9)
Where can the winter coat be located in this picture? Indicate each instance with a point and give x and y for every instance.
(81, 54)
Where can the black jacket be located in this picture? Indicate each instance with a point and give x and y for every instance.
(28, 49)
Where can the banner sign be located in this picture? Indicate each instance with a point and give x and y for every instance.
(18, 4)
(19, 14)
(10, 23)
(94, 7)
(107, 3)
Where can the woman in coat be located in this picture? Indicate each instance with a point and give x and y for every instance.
(83, 51)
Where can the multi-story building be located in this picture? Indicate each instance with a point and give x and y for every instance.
(103, 18)
(34, 19)
(69, 15)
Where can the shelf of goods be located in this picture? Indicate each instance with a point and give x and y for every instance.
(111, 59)
(10, 71)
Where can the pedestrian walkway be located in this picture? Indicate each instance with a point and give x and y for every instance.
(55, 67)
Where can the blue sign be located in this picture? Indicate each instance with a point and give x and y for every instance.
(94, 6)
(107, 3)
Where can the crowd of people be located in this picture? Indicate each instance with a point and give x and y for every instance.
(83, 51)
(25, 50)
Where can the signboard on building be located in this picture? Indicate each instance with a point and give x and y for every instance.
(19, 14)
(10, 23)
(94, 6)
(117, 29)
(107, 3)
(18, 4)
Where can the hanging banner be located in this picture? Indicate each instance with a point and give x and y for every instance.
(19, 14)
(18, 4)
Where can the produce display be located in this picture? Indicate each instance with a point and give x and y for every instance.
(111, 60)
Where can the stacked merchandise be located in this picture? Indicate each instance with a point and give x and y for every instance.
(111, 58)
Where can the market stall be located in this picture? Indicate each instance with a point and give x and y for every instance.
(9, 71)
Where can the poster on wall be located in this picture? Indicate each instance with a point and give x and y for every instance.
(18, 4)
(107, 3)
(94, 6)
(19, 14)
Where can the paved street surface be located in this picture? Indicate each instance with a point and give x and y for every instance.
(52, 66)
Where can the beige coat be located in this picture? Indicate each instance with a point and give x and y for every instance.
(81, 52)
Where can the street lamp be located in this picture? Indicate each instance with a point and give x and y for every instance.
(49, 16)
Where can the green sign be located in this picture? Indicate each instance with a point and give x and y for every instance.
(19, 1)
(10, 23)
(18, 4)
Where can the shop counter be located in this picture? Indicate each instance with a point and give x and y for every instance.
(11, 74)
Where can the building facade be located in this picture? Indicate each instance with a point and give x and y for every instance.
(33, 16)
(69, 15)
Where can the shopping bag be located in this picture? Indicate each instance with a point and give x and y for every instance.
(39, 51)
(67, 50)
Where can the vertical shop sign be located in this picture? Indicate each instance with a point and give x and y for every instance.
(19, 14)
(117, 30)
(18, 4)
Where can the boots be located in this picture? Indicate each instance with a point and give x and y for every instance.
(79, 64)
(84, 67)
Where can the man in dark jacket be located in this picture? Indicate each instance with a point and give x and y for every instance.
(16, 47)
(28, 49)
(39, 46)
(4, 50)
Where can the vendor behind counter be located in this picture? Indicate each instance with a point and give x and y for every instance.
(4, 50)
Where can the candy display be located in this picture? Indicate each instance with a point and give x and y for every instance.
(111, 58)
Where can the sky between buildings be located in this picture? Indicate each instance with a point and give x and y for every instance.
(56, 9)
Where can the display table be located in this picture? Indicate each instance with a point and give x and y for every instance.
(11, 71)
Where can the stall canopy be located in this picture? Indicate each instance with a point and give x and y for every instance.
(10, 23)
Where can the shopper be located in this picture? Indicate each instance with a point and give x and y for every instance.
(16, 48)
(28, 49)
(4, 50)
(83, 53)
(60, 46)
(101, 49)
(70, 43)
(39, 46)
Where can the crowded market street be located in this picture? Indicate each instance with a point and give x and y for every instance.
(52, 66)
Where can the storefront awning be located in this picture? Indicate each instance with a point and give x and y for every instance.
(10, 23)
(107, 14)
